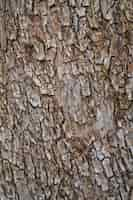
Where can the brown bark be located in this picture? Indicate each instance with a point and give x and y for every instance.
(66, 93)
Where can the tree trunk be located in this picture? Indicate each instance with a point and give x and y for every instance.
(66, 93)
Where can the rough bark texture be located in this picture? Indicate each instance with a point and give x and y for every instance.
(66, 93)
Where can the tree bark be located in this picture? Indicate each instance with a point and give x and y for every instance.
(66, 93)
